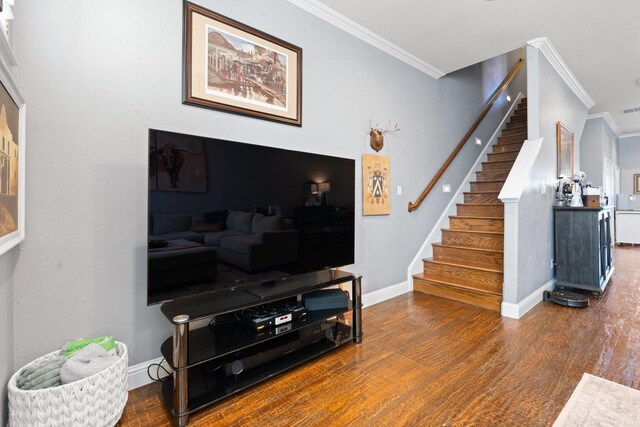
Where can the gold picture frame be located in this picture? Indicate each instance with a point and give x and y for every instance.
(636, 183)
(564, 137)
(232, 67)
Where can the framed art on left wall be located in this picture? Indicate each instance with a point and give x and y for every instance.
(12, 161)
(232, 67)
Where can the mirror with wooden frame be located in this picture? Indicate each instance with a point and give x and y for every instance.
(564, 136)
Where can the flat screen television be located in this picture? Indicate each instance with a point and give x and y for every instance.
(225, 214)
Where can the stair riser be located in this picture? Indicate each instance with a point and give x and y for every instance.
(519, 125)
(490, 302)
(512, 132)
(492, 176)
(473, 240)
(481, 198)
(501, 148)
(469, 257)
(487, 210)
(476, 224)
(519, 118)
(512, 138)
(486, 186)
(497, 166)
(477, 279)
(499, 157)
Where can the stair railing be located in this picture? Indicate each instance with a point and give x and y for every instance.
(485, 111)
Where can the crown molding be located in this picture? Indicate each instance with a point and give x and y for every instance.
(340, 21)
(549, 51)
(630, 135)
(606, 116)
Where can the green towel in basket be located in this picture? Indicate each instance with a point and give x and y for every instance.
(43, 374)
(106, 342)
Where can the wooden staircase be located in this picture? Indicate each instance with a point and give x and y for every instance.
(467, 265)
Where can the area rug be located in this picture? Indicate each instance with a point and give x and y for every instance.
(599, 402)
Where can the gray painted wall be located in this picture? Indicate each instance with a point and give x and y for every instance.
(598, 142)
(7, 266)
(551, 100)
(97, 75)
(591, 161)
(629, 162)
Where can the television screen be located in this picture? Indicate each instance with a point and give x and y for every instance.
(226, 214)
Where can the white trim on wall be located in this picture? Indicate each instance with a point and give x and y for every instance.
(384, 294)
(338, 20)
(630, 135)
(549, 51)
(516, 311)
(606, 116)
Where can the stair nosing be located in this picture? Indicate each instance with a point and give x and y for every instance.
(456, 285)
(474, 231)
(480, 204)
(498, 161)
(509, 143)
(481, 182)
(507, 151)
(488, 270)
(466, 248)
(501, 218)
(481, 192)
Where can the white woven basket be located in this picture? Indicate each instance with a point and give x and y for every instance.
(97, 400)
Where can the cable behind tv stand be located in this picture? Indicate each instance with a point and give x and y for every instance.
(214, 350)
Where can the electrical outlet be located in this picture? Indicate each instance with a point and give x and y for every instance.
(552, 263)
(543, 190)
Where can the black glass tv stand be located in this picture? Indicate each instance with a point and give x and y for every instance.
(205, 361)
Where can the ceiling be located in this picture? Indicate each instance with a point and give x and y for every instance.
(598, 40)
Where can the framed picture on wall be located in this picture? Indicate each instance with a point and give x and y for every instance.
(12, 162)
(636, 183)
(376, 184)
(564, 138)
(232, 67)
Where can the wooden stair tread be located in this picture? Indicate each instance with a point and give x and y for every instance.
(510, 143)
(499, 161)
(489, 180)
(420, 276)
(480, 204)
(478, 217)
(453, 264)
(493, 233)
(480, 192)
(442, 245)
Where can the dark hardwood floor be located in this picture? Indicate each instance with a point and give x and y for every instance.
(433, 362)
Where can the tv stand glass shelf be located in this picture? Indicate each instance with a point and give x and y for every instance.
(214, 362)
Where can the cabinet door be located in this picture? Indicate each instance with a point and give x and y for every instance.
(603, 249)
(609, 242)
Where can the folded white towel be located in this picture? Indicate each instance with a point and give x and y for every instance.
(86, 362)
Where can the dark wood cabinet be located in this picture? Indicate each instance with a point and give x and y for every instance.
(583, 247)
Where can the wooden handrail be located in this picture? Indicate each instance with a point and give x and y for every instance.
(492, 100)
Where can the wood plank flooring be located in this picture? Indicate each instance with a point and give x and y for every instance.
(429, 361)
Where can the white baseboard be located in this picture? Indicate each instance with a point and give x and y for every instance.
(138, 373)
(516, 311)
(385, 293)
(138, 376)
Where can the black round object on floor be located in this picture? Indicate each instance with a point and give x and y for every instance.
(567, 298)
